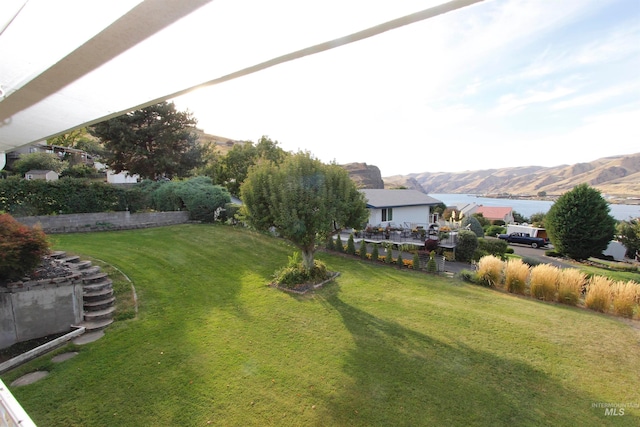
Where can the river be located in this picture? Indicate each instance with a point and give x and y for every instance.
(527, 208)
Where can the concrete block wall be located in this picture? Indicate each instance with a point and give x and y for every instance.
(39, 308)
(102, 221)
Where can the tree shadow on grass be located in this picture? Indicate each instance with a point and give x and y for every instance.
(404, 377)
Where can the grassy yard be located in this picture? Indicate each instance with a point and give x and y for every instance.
(213, 345)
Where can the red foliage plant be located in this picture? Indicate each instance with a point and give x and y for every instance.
(21, 248)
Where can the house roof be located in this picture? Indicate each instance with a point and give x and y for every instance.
(494, 212)
(397, 198)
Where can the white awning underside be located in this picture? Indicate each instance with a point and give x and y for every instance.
(69, 63)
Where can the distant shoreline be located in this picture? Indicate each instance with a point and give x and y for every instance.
(618, 200)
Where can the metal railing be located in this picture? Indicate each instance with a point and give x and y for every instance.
(11, 413)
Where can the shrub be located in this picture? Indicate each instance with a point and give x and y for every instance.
(331, 246)
(21, 248)
(363, 249)
(339, 246)
(494, 230)
(490, 270)
(516, 273)
(467, 244)
(624, 298)
(598, 296)
(351, 246)
(432, 266)
(474, 225)
(531, 262)
(294, 273)
(544, 281)
(552, 253)
(416, 261)
(389, 254)
(478, 254)
(570, 286)
(374, 253)
(494, 247)
(468, 276)
(399, 260)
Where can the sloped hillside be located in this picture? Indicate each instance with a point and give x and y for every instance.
(618, 175)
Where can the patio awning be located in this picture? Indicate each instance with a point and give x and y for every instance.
(70, 63)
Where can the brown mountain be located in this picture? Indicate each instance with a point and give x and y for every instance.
(616, 176)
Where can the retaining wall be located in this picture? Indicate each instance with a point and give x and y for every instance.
(102, 221)
(39, 308)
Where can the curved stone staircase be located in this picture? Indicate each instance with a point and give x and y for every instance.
(98, 298)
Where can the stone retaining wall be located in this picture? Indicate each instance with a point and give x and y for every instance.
(36, 309)
(103, 221)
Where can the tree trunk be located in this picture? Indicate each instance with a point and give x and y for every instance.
(307, 258)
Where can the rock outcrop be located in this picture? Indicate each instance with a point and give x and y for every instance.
(365, 176)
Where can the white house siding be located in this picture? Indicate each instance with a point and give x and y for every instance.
(416, 215)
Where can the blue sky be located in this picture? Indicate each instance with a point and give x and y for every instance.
(498, 84)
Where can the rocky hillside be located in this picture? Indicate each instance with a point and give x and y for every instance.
(618, 175)
(365, 176)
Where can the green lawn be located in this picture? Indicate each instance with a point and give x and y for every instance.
(213, 345)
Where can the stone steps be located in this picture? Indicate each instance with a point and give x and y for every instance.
(98, 299)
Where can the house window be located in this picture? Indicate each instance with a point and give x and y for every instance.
(387, 214)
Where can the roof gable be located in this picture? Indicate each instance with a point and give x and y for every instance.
(494, 212)
(396, 198)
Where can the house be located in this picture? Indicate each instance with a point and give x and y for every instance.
(491, 213)
(497, 213)
(47, 175)
(403, 208)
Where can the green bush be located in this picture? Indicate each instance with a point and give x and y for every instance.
(21, 248)
(374, 253)
(553, 254)
(363, 249)
(399, 260)
(294, 273)
(331, 245)
(495, 247)
(432, 266)
(339, 246)
(351, 246)
(494, 230)
(473, 224)
(416, 261)
(468, 276)
(467, 244)
(388, 259)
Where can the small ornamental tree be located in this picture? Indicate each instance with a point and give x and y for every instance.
(579, 224)
(472, 223)
(363, 249)
(629, 235)
(339, 245)
(416, 261)
(304, 199)
(375, 253)
(21, 248)
(351, 245)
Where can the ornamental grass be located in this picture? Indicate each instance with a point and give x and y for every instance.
(544, 282)
(598, 296)
(516, 274)
(490, 270)
(570, 286)
(624, 295)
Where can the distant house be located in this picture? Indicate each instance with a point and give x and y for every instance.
(46, 175)
(405, 208)
(492, 213)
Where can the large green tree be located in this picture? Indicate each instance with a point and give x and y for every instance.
(579, 224)
(234, 166)
(154, 142)
(304, 199)
(629, 235)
